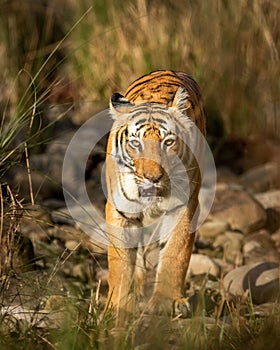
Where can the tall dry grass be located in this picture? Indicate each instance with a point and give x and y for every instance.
(230, 47)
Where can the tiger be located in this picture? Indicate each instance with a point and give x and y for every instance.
(149, 146)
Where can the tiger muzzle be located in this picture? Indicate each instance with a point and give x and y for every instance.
(150, 191)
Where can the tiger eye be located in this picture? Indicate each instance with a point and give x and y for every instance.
(135, 143)
(169, 142)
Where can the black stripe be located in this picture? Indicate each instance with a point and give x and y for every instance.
(160, 121)
(140, 121)
(158, 87)
(155, 74)
(149, 112)
(139, 127)
(153, 111)
(136, 93)
(150, 78)
(137, 113)
(120, 132)
(121, 140)
(125, 195)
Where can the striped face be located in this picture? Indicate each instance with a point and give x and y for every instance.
(147, 145)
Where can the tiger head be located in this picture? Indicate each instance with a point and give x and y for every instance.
(148, 144)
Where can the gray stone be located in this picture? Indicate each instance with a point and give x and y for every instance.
(261, 280)
(238, 208)
(87, 218)
(212, 229)
(203, 264)
(259, 246)
(262, 177)
(269, 199)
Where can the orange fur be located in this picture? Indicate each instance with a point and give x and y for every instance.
(150, 100)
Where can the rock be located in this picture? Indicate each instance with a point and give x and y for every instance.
(231, 242)
(273, 219)
(212, 229)
(261, 279)
(276, 238)
(64, 233)
(53, 203)
(269, 199)
(86, 218)
(262, 177)
(259, 246)
(259, 150)
(74, 236)
(62, 216)
(238, 208)
(225, 175)
(203, 264)
(36, 213)
(263, 310)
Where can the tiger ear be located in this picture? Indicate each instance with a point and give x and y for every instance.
(119, 105)
(180, 100)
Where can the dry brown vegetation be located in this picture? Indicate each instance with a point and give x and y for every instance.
(76, 53)
(230, 47)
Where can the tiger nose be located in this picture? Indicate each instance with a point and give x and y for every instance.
(149, 169)
(154, 177)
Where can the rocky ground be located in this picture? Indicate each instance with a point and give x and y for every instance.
(235, 259)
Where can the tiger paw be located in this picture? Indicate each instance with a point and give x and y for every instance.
(176, 308)
(181, 308)
(159, 306)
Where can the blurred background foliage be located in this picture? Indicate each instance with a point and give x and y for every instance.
(60, 61)
(70, 51)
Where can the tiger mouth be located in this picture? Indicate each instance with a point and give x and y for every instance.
(150, 191)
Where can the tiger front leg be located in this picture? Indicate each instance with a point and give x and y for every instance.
(121, 263)
(168, 295)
